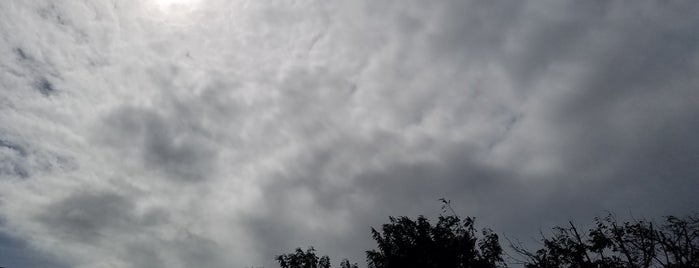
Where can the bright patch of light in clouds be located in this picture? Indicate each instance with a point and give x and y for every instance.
(178, 9)
(177, 3)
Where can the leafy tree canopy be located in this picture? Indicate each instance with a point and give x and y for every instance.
(452, 242)
(301, 259)
(635, 244)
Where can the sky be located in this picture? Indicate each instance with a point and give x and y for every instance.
(220, 133)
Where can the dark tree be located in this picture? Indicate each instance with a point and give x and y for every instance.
(452, 242)
(301, 259)
(636, 244)
(346, 264)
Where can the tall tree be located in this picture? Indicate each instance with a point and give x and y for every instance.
(452, 242)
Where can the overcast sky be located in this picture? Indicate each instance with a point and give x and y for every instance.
(218, 133)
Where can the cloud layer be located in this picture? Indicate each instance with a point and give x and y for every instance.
(214, 133)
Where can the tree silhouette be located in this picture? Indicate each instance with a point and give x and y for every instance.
(452, 242)
(635, 244)
(346, 264)
(404, 242)
(301, 259)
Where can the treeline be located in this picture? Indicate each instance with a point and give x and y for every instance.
(455, 242)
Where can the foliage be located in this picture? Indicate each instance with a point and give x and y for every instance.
(301, 259)
(404, 242)
(451, 242)
(637, 244)
(346, 264)
(454, 242)
(308, 259)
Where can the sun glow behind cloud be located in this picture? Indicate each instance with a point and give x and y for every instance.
(176, 2)
(177, 8)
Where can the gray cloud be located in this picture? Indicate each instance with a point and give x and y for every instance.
(174, 148)
(221, 133)
(21, 160)
(85, 216)
(10, 165)
(16, 253)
